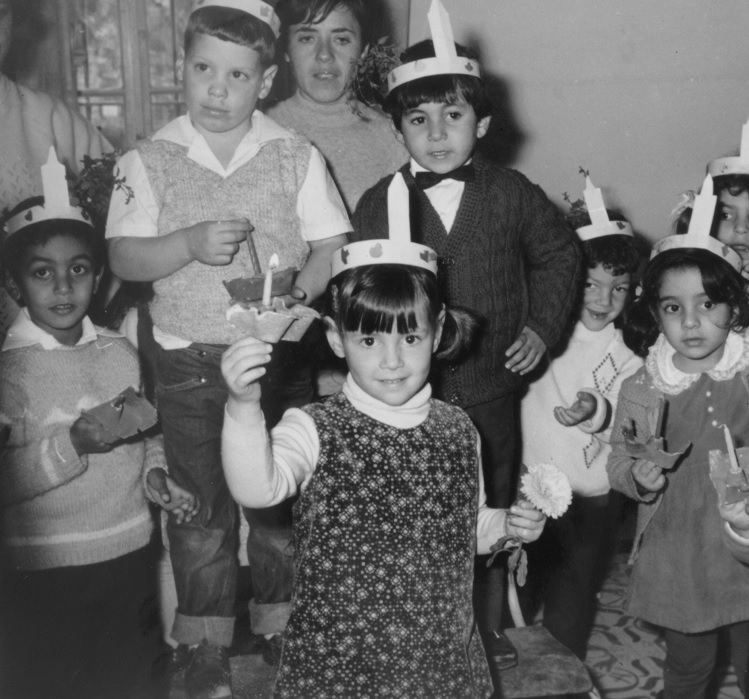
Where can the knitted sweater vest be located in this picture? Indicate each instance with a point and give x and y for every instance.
(192, 302)
(385, 537)
(509, 257)
(61, 509)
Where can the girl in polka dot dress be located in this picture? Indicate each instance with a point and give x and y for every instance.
(689, 322)
(391, 510)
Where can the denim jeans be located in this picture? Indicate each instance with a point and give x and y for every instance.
(191, 396)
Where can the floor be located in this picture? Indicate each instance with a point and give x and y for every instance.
(625, 656)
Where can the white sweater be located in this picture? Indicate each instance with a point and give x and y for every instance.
(597, 362)
(291, 453)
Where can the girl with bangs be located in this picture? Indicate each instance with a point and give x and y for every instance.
(392, 508)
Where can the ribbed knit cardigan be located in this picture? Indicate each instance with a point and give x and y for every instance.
(360, 149)
(58, 508)
(509, 257)
(192, 302)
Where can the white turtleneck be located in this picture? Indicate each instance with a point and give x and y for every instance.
(292, 452)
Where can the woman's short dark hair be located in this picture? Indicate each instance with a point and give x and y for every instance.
(292, 12)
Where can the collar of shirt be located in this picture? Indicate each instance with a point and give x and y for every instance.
(182, 132)
(410, 414)
(23, 332)
(444, 197)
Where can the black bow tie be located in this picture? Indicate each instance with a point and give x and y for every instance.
(464, 173)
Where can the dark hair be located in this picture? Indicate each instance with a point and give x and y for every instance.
(42, 232)
(380, 298)
(232, 25)
(733, 184)
(722, 284)
(618, 254)
(315, 11)
(443, 89)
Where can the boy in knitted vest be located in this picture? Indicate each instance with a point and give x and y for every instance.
(201, 184)
(78, 566)
(504, 252)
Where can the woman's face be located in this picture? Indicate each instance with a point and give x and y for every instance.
(321, 55)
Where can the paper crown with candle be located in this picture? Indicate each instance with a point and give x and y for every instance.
(600, 225)
(445, 61)
(733, 165)
(264, 11)
(398, 248)
(56, 201)
(698, 234)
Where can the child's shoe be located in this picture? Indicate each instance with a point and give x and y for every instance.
(208, 673)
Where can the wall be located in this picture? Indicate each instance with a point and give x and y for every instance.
(640, 93)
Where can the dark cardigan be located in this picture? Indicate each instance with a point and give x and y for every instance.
(510, 257)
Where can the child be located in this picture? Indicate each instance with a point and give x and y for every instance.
(200, 185)
(690, 313)
(79, 572)
(504, 251)
(386, 525)
(566, 419)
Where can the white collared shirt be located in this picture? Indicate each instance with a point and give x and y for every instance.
(444, 196)
(320, 209)
(23, 332)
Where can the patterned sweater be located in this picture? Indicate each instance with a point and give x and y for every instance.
(58, 508)
(594, 361)
(509, 257)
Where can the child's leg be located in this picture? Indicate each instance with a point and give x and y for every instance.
(739, 634)
(191, 396)
(579, 538)
(690, 661)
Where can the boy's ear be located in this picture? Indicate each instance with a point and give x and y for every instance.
(483, 126)
(334, 337)
(97, 280)
(398, 134)
(12, 288)
(268, 75)
(438, 330)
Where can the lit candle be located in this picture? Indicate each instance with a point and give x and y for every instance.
(731, 452)
(54, 185)
(594, 204)
(272, 265)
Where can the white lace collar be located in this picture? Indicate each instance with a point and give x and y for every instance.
(667, 378)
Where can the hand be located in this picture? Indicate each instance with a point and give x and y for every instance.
(581, 410)
(737, 515)
(181, 504)
(242, 367)
(297, 295)
(648, 476)
(525, 522)
(525, 353)
(90, 437)
(216, 242)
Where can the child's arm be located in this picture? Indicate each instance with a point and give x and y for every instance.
(258, 474)
(315, 274)
(145, 259)
(178, 502)
(520, 520)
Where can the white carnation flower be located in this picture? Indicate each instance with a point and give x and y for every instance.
(547, 489)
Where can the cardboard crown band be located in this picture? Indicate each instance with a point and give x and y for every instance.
(257, 8)
(733, 165)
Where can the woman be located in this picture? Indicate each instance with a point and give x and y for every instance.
(321, 39)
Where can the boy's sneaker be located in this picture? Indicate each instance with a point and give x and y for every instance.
(208, 673)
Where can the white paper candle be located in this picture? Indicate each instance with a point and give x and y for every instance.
(442, 32)
(272, 266)
(399, 221)
(54, 185)
(594, 203)
(731, 451)
(703, 211)
(744, 152)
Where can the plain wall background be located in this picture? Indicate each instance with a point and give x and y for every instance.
(642, 93)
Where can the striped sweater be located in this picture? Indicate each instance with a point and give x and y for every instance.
(58, 508)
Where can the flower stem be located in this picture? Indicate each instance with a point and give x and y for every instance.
(513, 601)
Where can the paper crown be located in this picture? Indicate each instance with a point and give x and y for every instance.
(257, 8)
(445, 61)
(698, 234)
(600, 225)
(396, 250)
(733, 165)
(56, 201)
